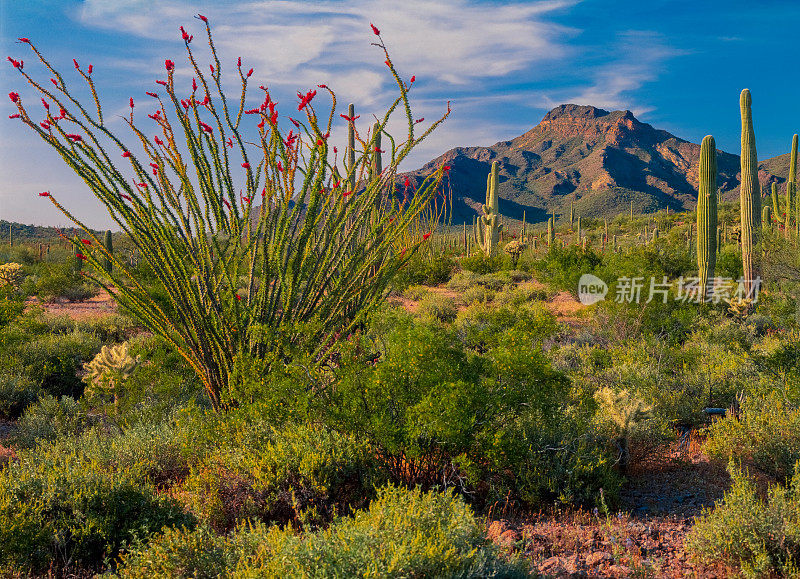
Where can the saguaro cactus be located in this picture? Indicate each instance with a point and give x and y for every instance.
(487, 228)
(551, 236)
(766, 216)
(571, 213)
(774, 196)
(707, 214)
(749, 195)
(110, 249)
(579, 229)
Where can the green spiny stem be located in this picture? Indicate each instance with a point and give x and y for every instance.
(774, 197)
(791, 189)
(707, 214)
(571, 213)
(749, 195)
(551, 236)
(579, 230)
(766, 218)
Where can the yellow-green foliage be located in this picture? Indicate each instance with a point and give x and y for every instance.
(622, 408)
(10, 275)
(761, 536)
(109, 370)
(402, 534)
(438, 307)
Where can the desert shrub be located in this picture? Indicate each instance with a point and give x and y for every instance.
(415, 292)
(517, 296)
(563, 267)
(483, 326)
(463, 281)
(49, 419)
(113, 328)
(59, 508)
(299, 473)
(11, 306)
(54, 360)
(481, 264)
(402, 534)
(17, 392)
(477, 294)
(427, 267)
(60, 280)
(437, 307)
(766, 434)
(162, 383)
(759, 535)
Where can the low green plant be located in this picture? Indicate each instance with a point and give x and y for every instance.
(17, 392)
(402, 534)
(50, 418)
(759, 535)
(437, 307)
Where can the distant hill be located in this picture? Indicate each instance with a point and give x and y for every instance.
(602, 160)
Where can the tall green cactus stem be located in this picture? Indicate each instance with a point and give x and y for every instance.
(522, 233)
(571, 213)
(707, 214)
(551, 236)
(774, 196)
(487, 229)
(614, 242)
(631, 210)
(605, 223)
(351, 147)
(766, 218)
(791, 190)
(579, 229)
(655, 233)
(749, 195)
(110, 249)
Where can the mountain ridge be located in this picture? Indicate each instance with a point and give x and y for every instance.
(600, 160)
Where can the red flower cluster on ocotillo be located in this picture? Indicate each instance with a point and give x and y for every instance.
(44, 194)
(89, 70)
(203, 18)
(126, 154)
(86, 241)
(169, 65)
(14, 116)
(186, 36)
(76, 138)
(305, 99)
(245, 165)
(15, 63)
(350, 119)
(375, 30)
(206, 128)
(152, 94)
(25, 40)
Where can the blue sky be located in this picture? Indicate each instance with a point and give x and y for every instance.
(677, 64)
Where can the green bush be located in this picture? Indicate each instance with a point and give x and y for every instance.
(300, 474)
(415, 292)
(60, 280)
(437, 307)
(760, 536)
(60, 508)
(766, 433)
(477, 294)
(54, 361)
(480, 264)
(426, 267)
(402, 534)
(17, 392)
(483, 326)
(49, 419)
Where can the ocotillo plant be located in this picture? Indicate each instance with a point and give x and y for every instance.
(487, 229)
(312, 267)
(707, 214)
(107, 265)
(749, 195)
(791, 187)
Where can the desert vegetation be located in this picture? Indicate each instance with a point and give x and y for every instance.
(310, 370)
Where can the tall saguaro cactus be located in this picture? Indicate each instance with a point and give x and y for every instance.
(487, 228)
(774, 197)
(551, 236)
(707, 214)
(571, 213)
(749, 195)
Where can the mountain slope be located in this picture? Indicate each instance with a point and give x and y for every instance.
(601, 160)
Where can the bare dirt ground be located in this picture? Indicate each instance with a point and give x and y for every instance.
(97, 306)
(645, 538)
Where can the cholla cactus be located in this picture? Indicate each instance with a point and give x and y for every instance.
(108, 371)
(514, 248)
(740, 307)
(623, 410)
(10, 275)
